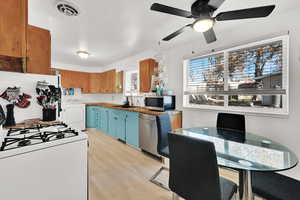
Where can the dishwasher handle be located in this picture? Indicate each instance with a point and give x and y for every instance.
(147, 117)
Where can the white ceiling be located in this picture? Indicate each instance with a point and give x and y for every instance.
(115, 29)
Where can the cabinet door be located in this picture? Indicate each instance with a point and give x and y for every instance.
(38, 51)
(91, 117)
(119, 82)
(99, 118)
(13, 22)
(95, 83)
(132, 129)
(104, 120)
(104, 83)
(111, 81)
(85, 82)
(113, 122)
(147, 68)
(121, 126)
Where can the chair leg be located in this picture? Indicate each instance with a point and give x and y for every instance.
(152, 179)
(175, 196)
(241, 183)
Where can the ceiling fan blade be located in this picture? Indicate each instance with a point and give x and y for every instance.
(176, 33)
(246, 13)
(170, 10)
(210, 36)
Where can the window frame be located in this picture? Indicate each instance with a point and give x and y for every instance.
(125, 83)
(263, 110)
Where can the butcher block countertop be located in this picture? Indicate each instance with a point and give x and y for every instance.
(23, 125)
(134, 109)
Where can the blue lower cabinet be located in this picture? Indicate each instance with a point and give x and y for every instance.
(91, 117)
(104, 116)
(132, 129)
(121, 124)
(117, 124)
(113, 123)
(98, 118)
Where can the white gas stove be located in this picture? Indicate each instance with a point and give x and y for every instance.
(43, 157)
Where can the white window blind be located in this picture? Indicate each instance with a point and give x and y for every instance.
(206, 73)
(256, 68)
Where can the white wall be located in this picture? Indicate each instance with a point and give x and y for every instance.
(132, 62)
(92, 98)
(27, 82)
(284, 130)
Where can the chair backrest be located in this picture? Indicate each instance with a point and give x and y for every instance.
(163, 128)
(194, 171)
(230, 121)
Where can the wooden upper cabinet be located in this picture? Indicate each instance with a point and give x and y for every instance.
(111, 81)
(93, 83)
(13, 22)
(67, 80)
(38, 50)
(74, 79)
(85, 78)
(119, 82)
(147, 68)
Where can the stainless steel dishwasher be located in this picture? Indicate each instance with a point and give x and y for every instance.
(148, 133)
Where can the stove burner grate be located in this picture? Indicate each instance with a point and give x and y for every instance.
(20, 137)
(24, 143)
(21, 131)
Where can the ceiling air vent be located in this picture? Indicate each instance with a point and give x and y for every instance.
(67, 8)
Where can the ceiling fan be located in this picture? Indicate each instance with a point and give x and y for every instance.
(202, 11)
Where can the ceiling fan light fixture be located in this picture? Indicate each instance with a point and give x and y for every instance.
(203, 25)
(83, 54)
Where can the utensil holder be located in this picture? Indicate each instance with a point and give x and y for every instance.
(10, 116)
(49, 115)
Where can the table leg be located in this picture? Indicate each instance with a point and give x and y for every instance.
(247, 186)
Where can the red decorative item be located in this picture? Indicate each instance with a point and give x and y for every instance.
(23, 102)
(4, 95)
(13, 95)
(26, 96)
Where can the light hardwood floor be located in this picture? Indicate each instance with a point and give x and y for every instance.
(120, 172)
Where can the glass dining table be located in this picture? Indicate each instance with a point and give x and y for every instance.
(246, 153)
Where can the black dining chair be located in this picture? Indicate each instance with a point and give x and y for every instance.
(274, 186)
(235, 123)
(163, 128)
(194, 173)
(229, 121)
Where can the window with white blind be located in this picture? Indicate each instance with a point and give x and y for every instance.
(248, 78)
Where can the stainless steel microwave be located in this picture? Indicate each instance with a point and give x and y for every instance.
(161, 103)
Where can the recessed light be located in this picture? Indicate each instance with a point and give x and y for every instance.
(83, 54)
